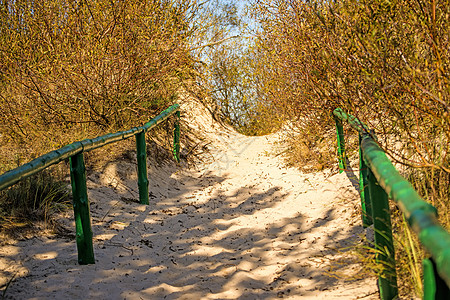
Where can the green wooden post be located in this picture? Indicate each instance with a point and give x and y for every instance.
(429, 281)
(366, 205)
(81, 210)
(176, 138)
(141, 148)
(434, 287)
(341, 145)
(384, 245)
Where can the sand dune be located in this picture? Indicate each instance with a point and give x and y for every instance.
(238, 225)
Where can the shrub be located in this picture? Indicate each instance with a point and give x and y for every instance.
(386, 62)
(73, 69)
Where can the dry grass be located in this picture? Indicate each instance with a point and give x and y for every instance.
(33, 202)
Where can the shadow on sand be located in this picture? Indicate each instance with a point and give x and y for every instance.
(181, 248)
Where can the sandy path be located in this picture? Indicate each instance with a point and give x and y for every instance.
(239, 225)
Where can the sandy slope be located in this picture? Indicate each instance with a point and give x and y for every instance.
(237, 225)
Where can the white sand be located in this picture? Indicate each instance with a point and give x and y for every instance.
(238, 225)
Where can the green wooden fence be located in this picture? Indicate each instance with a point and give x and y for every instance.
(380, 181)
(74, 152)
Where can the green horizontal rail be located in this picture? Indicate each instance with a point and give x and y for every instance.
(13, 176)
(74, 152)
(421, 216)
(351, 120)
